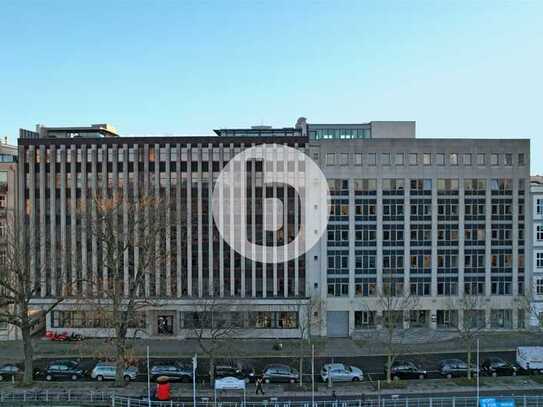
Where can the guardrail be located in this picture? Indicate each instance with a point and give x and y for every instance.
(98, 398)
(90, 398)
(520, 401)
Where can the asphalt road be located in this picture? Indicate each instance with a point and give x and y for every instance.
(372, 366)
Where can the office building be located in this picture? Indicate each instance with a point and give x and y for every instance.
(435, 219)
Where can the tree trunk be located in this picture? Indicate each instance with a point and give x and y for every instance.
(469, 362)
(28, 350)
(301, 362)
(120, 355)
(389, 368)
(212, 370)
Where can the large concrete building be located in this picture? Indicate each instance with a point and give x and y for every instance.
(432, 219)
(8, 200)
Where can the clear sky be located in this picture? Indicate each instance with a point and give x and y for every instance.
(459, 68)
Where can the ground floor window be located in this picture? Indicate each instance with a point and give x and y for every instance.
(239, 320)
(364, 319)
(474, 319)
(501, 319)
(447, 319)
(91, 319)
(419, 318)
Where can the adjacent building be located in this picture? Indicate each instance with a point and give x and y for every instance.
(8, 201)
(536, 261)
(436, 219)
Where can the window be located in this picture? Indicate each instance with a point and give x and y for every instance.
(453, 159)
(358, 159)
(427, 159)
(481, 159)
(364, 319)
(385, 159)
(372, 159)
(508, 160)
(539, 286)
(447, 319)
(539, 260)
(494, 159)
(467, 159)
(539, 233)
(330, 159)
(539, 206)
(501, 319)
(343, 159)
(440, 159)
(521, 159)
(412, 157)
(399, 159)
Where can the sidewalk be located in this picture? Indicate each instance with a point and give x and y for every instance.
(259, 348)
(414, 387)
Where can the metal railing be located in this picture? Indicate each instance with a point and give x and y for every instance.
(99, 398)
(520, 401)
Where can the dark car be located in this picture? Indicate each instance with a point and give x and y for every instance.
(497, 367)
(280, 374)
(407, 369)
(9, 371)
(64, 370)
(233, 369)
(175, 371)
(455, 368)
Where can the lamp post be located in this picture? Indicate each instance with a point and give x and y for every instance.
(478, 391)
(312, 375)
(148, 378)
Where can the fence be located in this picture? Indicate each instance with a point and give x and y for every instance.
(520, 401)
(46, 397)
(90, 398)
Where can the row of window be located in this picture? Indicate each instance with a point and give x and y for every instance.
(241, 320)
(441, 159)
(369, 185)
(445, 319)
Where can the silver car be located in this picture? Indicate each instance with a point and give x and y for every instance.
(338, 372)
(107, 371)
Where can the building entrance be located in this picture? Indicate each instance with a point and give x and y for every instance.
(165, 324)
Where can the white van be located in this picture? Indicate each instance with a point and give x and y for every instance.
(530, 358)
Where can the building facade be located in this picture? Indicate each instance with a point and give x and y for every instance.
(433, 219)
(8, 200)
(536, 260)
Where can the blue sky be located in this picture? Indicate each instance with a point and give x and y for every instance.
(459, 68)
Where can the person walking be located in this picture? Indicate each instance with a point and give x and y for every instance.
(259, 387)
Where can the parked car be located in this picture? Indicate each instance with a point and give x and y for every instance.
(338, 372)
(530, 358)
(66, 369)
(455, 368)
(237, 370)
(498, 367)
(175, 371)
(407, 369)
(108, 371)
(280, 374)
(9, 371)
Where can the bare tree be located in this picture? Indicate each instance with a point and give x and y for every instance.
(309, 315)
(473, 321)
(19, 277)
(212, 325)
(127, 234)
(395, 302)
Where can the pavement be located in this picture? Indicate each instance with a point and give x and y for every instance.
(505, 386)
(256, 348)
